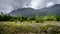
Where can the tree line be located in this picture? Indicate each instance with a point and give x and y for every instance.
(37, 18)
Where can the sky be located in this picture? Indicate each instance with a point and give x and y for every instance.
(7, 6)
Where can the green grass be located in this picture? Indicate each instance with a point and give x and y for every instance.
(30, 28)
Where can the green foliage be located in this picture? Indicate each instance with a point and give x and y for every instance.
(58, 18)
(49, 18)
(28, 19)
(12, 19)
(37, 18)
(5, 17)
(42, 19)
(20, 18)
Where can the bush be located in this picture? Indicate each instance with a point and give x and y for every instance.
(28, 19)
(37, 18)
(49, 18)
(42, 19)
(12, 19)
(20, 18)
(58, 18)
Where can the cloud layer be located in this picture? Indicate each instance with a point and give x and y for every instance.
(7, 6)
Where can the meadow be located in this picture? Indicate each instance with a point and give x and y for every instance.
(49, 24)
(48, 27)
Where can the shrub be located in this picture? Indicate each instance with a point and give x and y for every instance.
(42, 20)
(20, 18)
(28, 19)
(58, 18)
(37, 18)
(12, 19)
(49, 18)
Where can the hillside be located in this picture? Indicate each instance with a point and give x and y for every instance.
(32, 12)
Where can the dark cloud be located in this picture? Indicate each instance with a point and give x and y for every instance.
(7, 6)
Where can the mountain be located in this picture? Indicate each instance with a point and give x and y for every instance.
(32, 12)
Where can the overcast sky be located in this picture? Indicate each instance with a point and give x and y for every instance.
(7, 6)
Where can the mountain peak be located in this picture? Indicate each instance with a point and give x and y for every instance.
(25, 8)
(32, 12)
(57, 5)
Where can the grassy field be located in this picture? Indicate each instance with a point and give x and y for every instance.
(48, 27)
(49, 24)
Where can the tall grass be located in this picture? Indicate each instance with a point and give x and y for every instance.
(23, 28)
